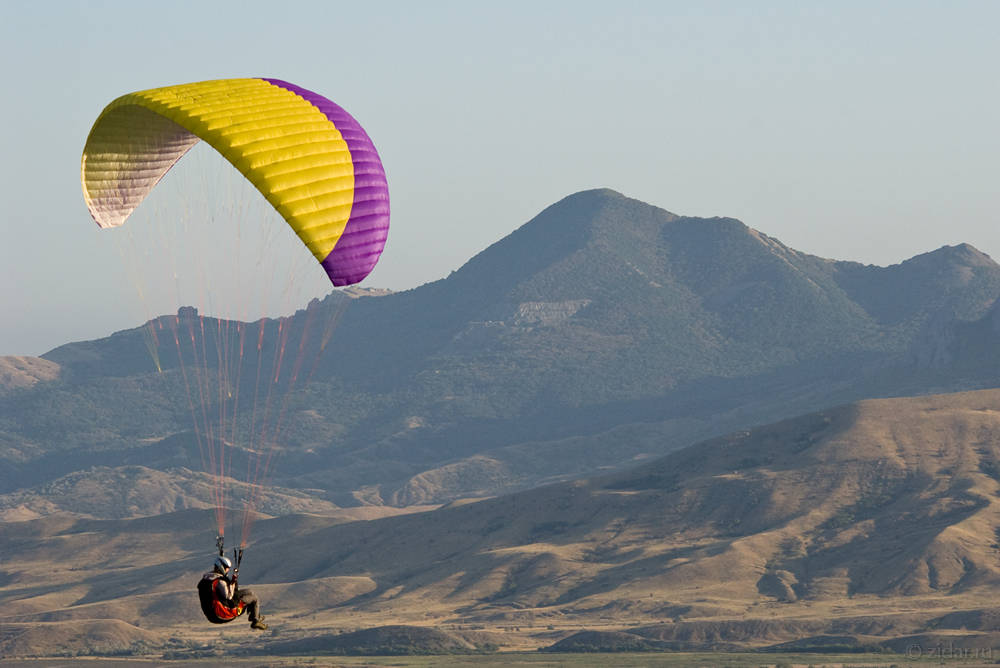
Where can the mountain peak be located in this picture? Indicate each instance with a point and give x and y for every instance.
(962, 254)
(558, 238)
(968, 254)
(596, 202)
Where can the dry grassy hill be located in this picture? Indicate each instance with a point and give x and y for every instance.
(17, 372)
(873, 521)
(138, 491)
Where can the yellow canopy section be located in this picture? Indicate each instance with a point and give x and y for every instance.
(292, 153)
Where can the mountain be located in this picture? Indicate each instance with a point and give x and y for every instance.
(603, 332)
(861, 526)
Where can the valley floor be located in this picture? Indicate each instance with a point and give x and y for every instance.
(534, 660)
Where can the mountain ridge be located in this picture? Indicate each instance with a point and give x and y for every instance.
(601, 316)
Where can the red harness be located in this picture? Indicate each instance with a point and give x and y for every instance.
(222, 612)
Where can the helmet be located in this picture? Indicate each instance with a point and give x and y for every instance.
(222, 563)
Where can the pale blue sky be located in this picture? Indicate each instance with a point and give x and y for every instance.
(852, 130)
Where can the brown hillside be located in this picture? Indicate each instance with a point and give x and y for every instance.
(875, 519)
(887, 497)
(20, 372)
(125, 492)
(137, 491)
(105, 636)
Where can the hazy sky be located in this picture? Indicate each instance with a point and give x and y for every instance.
(852, 130)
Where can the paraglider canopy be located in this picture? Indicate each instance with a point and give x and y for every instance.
(309, 158)
(318, 170)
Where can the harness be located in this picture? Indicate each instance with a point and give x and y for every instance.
(217, 610)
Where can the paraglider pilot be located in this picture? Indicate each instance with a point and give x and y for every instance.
(222, 600)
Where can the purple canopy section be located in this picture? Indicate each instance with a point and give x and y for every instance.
(359, 247)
